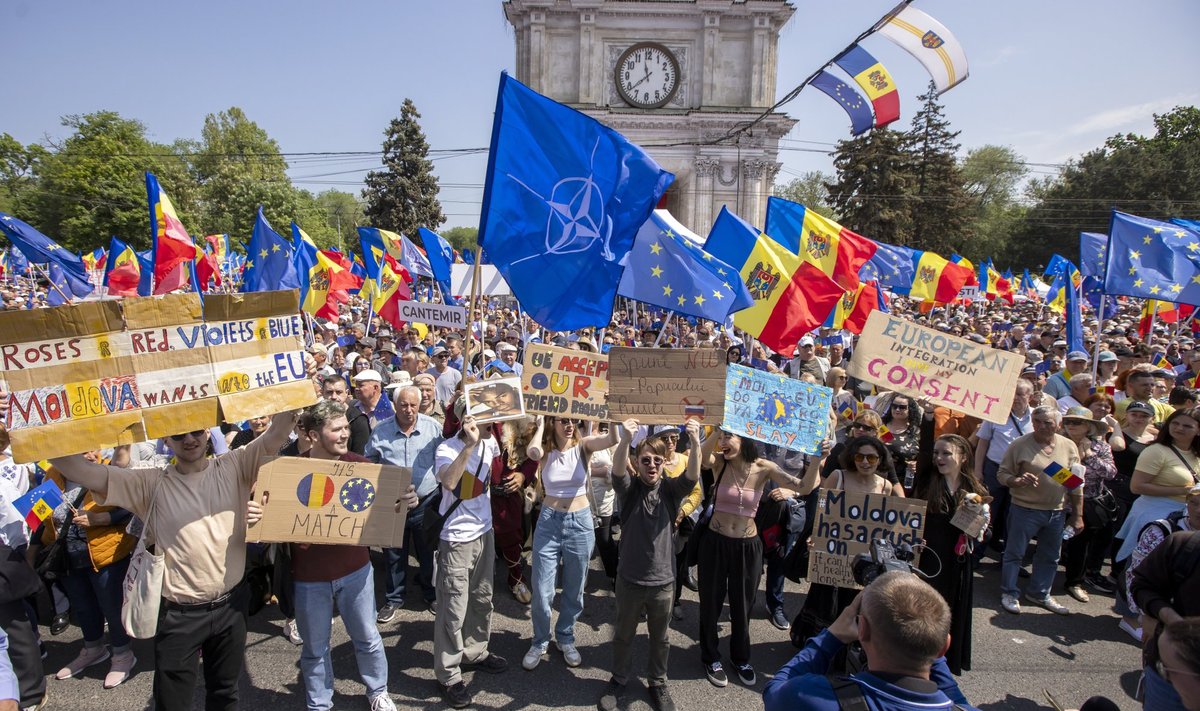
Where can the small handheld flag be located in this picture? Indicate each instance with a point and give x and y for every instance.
(848, 409)
(1159, 360)
(39, 504)
(885, 435)
(1063, 476)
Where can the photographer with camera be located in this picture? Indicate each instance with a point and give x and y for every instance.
(903, 625)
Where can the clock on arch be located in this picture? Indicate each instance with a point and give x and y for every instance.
(647, 75)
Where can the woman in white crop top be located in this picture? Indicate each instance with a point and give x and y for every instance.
(565, 532)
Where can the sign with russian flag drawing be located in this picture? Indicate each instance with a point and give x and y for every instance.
(666, 386)
(308, 500)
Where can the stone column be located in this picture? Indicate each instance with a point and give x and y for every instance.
(537, 51)
(705, 168)
(754, 196)
(587, 60)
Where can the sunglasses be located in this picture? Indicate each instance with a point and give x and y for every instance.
(866, 459)
(194, 433)
(861, 426)
(899, 407)
(652, 461)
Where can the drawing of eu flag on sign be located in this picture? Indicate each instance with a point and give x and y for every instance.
(563, 199)
(773, 408)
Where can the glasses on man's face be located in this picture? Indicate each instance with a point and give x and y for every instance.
(652, 461)
(866, 459)
(196, 434)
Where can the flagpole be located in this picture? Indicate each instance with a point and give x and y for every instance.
(1096, 349)
(471, 308)
(663, 330)
(46, 273)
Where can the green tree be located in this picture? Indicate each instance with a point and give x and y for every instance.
(239, 167)
(940, 208)
(1156, 176)
(462, 238)
(810, 190)
(342, 213)
(991, 178)
(92, 185)
(18, 163)
(403, 196)
(871, 190)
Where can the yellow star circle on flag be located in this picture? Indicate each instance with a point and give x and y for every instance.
(699, 299)
(274, 248)
(1154, 290)
(1138, 282)
(1146, 239)
(1176, 288)
(667, 290)
(718, 295)
(655, 248)
(656, 271)
(682, 301)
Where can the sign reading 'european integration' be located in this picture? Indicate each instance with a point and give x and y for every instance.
(115, 372)
(666, 386)
(773, 408)
(948, 371)
(560, 381)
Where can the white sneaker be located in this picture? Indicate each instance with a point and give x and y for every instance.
(292, 632)
(1010, 603)
(1050, 604)
(570, 654)
(1135, 632)
(533, 657)
(382, 702)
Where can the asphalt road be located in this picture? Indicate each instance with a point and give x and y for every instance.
(1015, 658)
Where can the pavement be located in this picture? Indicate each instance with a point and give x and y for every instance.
(1015, 658)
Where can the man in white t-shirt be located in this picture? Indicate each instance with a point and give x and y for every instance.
(465, 561)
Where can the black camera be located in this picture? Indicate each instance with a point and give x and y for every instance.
(883, 558)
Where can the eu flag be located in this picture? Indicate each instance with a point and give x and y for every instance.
(1193, 225)
(667, 268)
(1152, 260)
(892, 266)
(15, 262)
(853, 102)
(563, 200)
(40, 249)
(1093, 249)
(269, 263)
(441, 256)
(60, 291)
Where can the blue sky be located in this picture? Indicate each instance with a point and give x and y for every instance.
(1050, 79)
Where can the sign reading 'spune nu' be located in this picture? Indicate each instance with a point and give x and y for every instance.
(560, 381)
(773, 408)
(847, 522)
(952, 372)
(666, 386)
(116, 372)
(308, 500)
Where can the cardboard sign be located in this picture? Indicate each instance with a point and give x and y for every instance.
(494, 400)
(103, 373)
(490, 281)
(773, 408)
(328, 501)
(953, 372)
(433, 314)
(560, 381)
(666, 386)
(847, 522)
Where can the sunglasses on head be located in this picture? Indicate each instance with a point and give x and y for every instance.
(866, 458)
(194, 433)
(652, 461)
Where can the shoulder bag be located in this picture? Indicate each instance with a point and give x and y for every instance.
(51, 561)
(692, 550)
(144, 580)
(432, 521)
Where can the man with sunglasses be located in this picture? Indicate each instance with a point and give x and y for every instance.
(447, 378)
(199, 523)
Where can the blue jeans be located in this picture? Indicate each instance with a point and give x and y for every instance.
(569, 538)
(96, 597)
(1158, 692)
(396, 575)
(1023, 526)
(355, 596)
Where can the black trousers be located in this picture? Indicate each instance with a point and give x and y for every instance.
(606, 546)
(727, 567)
(23, 652)
(221, 634)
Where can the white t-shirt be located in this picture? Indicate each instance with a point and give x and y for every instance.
(473, 517)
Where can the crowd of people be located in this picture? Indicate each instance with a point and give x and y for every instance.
(661, 507)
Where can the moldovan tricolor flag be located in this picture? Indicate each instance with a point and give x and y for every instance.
(875, 82)
(172, 245)
(930, 43)
(122, 271)
(792, 296)
(323, 281)
(936, 278)
(39, 504)
(833, 249)
(1063, 476)
(391, 288)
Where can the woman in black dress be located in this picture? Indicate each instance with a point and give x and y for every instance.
(947, 558)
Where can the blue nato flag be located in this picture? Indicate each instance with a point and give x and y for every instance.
(563, 200)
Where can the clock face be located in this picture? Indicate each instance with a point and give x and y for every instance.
(647, 75)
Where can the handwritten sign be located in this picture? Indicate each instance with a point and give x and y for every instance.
(953, 372)
(848, 521)
(773, 408)
(560, 381)
(666, 386)
(495, 400)
(433, 314)
(117, 372)
(328, 501)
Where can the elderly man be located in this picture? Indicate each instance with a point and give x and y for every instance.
(508, 356)
(368, 396)
(994, 441)
(1059, 385)
(409, 439)
(1080, 390)
(807, 361)
(1037, 508)
(430, 405)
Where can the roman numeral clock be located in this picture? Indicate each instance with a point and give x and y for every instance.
(647, 75)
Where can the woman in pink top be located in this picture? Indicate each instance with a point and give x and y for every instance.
(730, 551)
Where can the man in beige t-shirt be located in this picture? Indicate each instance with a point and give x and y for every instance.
(1036, 510)
(195, 510)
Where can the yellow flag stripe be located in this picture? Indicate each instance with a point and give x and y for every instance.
(941, 51)
(767, 254)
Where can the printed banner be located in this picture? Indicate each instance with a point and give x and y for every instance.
(773, 408)
(116, 372)
(560, 381)
(328, 501)
(433, 314)
(848, 521)
(666, 386)
(494, 400)
(946, 370)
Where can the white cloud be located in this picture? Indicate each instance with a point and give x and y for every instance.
(1112, 120)
(999, 57)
